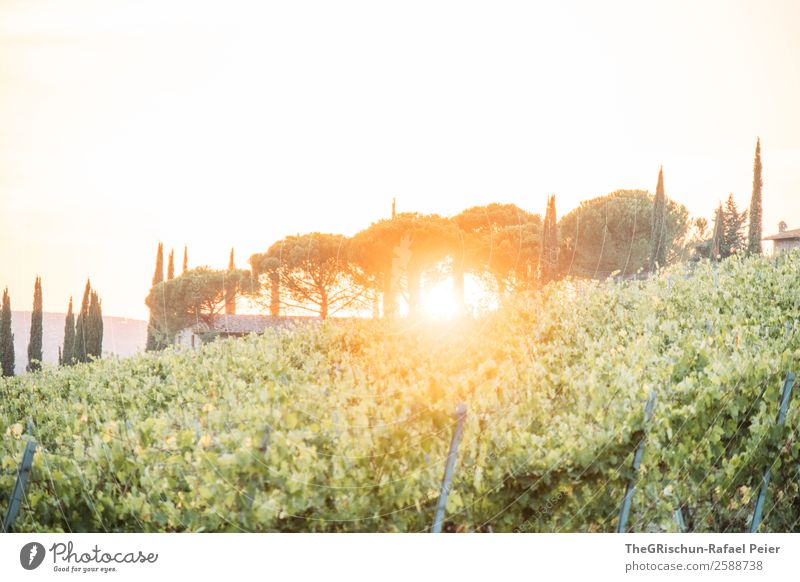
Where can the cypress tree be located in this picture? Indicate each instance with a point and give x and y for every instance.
(658, 231)
(548, 261)
(6, 337)
(158, 277)
(230, 293)
(94, 327)
(67, 352)
(35, 342)
(80, 350)
(719, 234)
(185, 258)
(755, 227)
(171, 265)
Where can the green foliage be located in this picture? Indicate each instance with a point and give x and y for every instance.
(35, 341)
(613, 233)
(197, 296)
(658, 230)
(755, 227)
(345, 426)
(158, 274)
(6, 337)
(718, 235)
(733, 239)
(68, 349)
(95, 327)
(155, 339)
(88, 342)
(548, 262)
(501, 242)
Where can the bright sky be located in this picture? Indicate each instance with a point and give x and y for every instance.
(222, 124)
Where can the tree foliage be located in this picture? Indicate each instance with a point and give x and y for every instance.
(658, 231)
(6, 337)
(734, 223)
(68, 348)
(35, 341)
(197, 296)
(613, 233)
(314, 273)
(396, 254)
(548, 263)
(754, 235)
(501, 242)
(88, 343)
(153, 341)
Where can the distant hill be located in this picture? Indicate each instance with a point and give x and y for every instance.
(121, 336)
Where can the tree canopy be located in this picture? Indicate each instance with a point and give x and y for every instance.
(314, 273)
(197, 296)
(613, 233)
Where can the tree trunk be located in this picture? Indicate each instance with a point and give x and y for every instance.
(323, 306)
(414, 291)
(274, 295)
(376, 304)
(458, 288)
(388, 296)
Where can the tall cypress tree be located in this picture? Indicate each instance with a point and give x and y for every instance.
(658, 231)
(158, 277)
(754, 232)
(719, 234)
(80, 350)
(230, 293)
(185, 258)
(548, 261)
(6, 337)
(35, 342)
(94, 344)
(171, 265)
(67, 352)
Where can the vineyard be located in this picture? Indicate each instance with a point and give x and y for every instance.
(346, 426)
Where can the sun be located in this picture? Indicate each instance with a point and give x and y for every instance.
(438, 300)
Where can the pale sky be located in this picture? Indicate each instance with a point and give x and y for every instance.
(222, 124)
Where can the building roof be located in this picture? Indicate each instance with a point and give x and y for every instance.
(244, 324)
(785, 235)
(255, 323)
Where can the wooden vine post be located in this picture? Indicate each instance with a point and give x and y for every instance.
(625, 510)
(19, 487)
(449, 469)
(762, 495)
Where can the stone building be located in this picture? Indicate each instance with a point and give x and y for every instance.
(785, 240)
